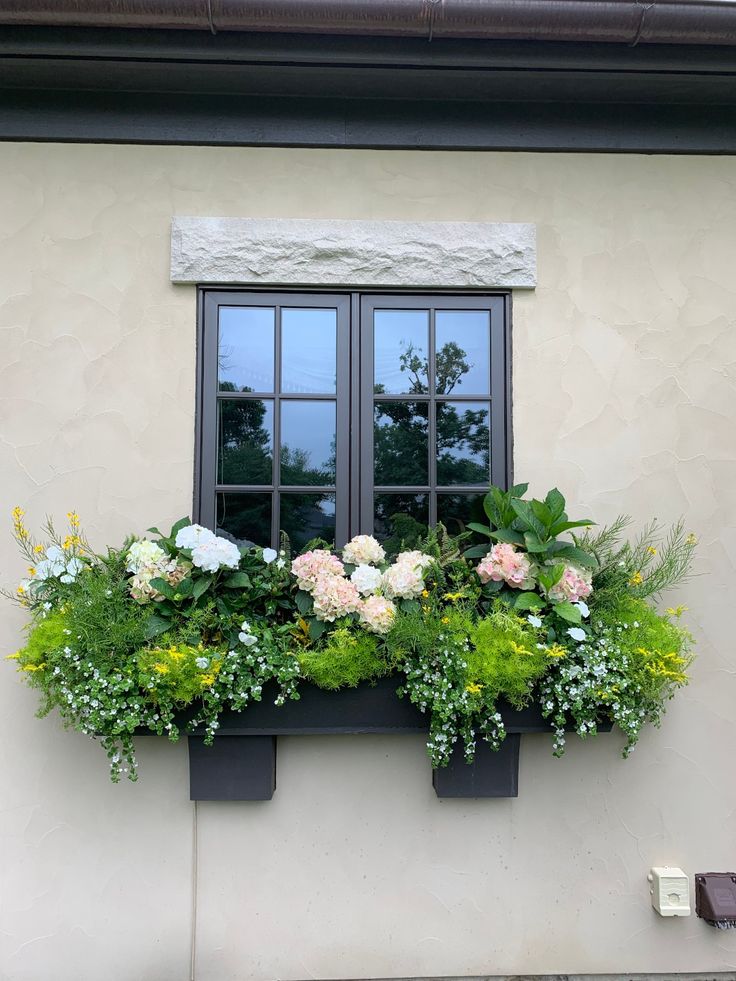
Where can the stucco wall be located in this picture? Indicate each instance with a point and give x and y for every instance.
(623, 395)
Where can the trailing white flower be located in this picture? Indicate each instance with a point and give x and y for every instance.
(367, 579)
(269, 555)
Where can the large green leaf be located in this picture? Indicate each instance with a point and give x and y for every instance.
(556, 503)
(201, 586)
(542, 513)
(185, 587)
(177, 526)
(560, 526)
(238, 580)
(524, 511)
(481, 529)
(508, 535)
(550, 575)
(577, 555)
(476, 552)
(518, 490)
(533, 543)
(156, 625)
(316, 629)
(162, 586)
(568, 612)
(528, 601)
(303, 602)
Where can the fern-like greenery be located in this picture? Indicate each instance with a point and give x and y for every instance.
(347, 658)
(504, 658)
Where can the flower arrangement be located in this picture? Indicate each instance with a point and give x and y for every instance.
(530, 607)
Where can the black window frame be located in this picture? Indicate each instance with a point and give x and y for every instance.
(354, 489)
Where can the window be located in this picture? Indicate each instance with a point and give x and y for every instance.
(332, 414)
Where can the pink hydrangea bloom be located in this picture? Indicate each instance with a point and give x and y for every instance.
(378, 614)
(504, 564)
(312, 566)
(574, 585)
(335, 597)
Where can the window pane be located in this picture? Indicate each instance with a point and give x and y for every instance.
(308, 442)
(400, 443)
(456, 510)
(463, 443)
(245, 441)
(401, 348)
(245, 353)
(307, 516)
(400, 519)
(308, 350)
(463, 352)
(245, 518)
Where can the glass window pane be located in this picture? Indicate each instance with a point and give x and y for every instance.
(401, 348)
(463, 352)
(308, 516)
(399, 520)
(245, 518)
(456, 510)
(308, 350)
(244, 441)
(400, 443)
(245, 352)
(463, 443)
(308, 440)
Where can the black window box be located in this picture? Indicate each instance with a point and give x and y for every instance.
(241, 763)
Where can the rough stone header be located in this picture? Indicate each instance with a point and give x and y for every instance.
(353, 254)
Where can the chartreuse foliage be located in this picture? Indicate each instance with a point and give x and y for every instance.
(171, 632)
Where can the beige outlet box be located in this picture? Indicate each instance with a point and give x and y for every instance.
(670, 891)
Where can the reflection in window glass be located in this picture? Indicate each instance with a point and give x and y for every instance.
(400, 519)
(463, 352)
(401, 443)
(244, 518)
(307, 516)
(245, 441)
(246, 350)
(463, 443)
(308, 439)
(308, 350)
(401, 350)
(456, 510)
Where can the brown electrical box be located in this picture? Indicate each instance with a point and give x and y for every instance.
(715, 898)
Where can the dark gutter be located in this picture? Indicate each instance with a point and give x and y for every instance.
(711, 22)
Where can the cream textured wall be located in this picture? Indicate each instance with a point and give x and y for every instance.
(623, 395)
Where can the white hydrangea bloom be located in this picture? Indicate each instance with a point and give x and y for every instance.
(193, 535)
(367, 579)
(402, 581)
(378, 614)
(143, 553)
(213, 554)
(363, 550)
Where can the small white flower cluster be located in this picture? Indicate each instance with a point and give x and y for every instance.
(246, 636)
(210, 552)
(270, 555)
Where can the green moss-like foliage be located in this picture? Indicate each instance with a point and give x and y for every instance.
(656, 649)
(46, 636)
(346, 659)
(504, 659)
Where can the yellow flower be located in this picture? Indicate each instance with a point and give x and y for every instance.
(161, 668)
(556, 650)
(425, 609)
(21, 590)
(637, 579)
(12, 657)
(474, 689)
(675, 611)
(34, 667)
(691, 539)
(652, 551)
(18, 514)
(207, 680)
(73, 518)
(38, 549)
(425, 593)
(175, 654)
(453, 597)
(445, 619)
(31, 570)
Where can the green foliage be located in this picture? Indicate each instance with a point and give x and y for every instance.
(178, 673)
(659, 559)
(504, 658)
(346, 658)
